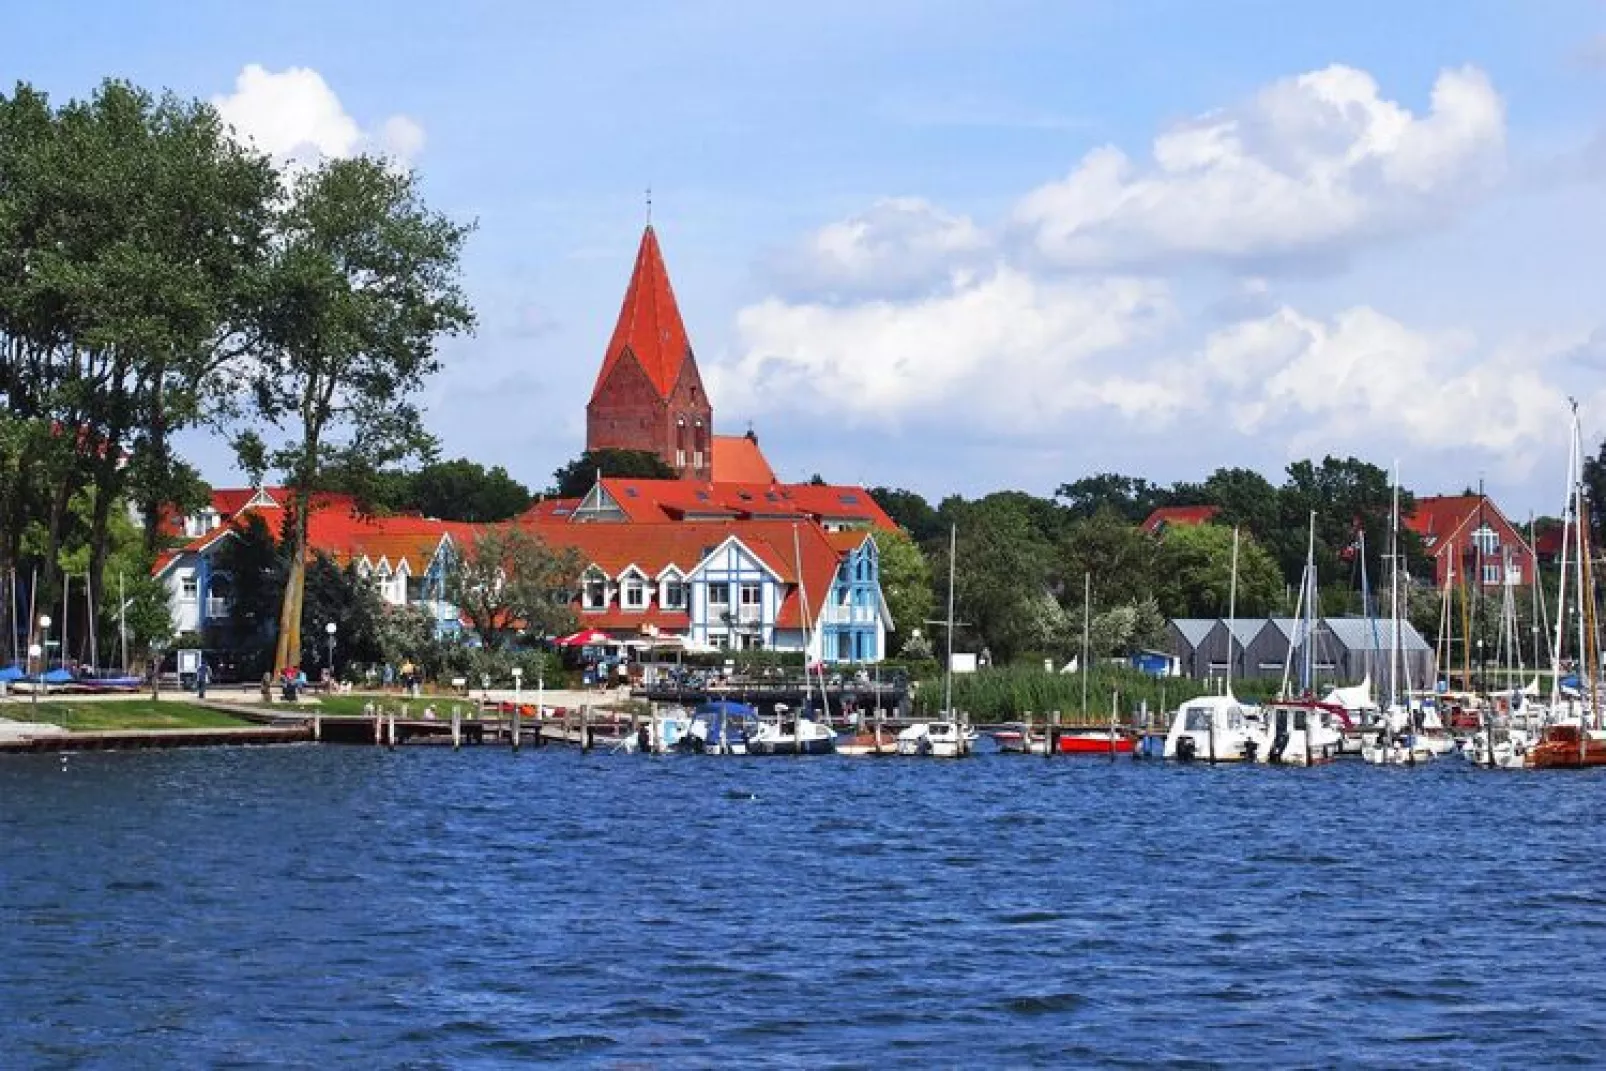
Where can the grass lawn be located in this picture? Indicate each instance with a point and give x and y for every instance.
(120, 714)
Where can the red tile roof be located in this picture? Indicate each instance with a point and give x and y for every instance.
(649, 324)
(1437, 518)
(737, 459)
(1184, 515)
(663, 501)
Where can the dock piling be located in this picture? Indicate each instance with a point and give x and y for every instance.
(457, 727)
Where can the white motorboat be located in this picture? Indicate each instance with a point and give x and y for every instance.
(1215, 728)
(1300, 732)
(786, 735)
(938, 739)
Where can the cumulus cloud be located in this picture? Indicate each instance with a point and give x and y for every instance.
(896, 246)
(1010, 346)
(1362, 379)
(1310, 164)
(295, 117)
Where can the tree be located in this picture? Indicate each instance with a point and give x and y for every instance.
(249, 564)
(1193, 571)
(1133, 497)
(362, 282)
(350, 601)
(509, 580)
(464, 490)
(905, 581)
(1119, 556)
(575, 479)
(1002, 572)
(1245, 498)
(910, 512)
(1351, 499)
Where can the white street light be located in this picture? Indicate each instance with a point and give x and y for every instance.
(331, 628)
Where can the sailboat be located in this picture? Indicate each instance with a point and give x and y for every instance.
(948, 737)
(1218, 728)
(1396, 742)
(1575, 741)
(787, 734)
(1299, 728)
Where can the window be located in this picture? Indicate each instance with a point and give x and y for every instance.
(1486, 540)
(595, 592)
(1491, 574)
(674, 596)
(634, 592)
(719, 595)
(751, 593)
(189, 588)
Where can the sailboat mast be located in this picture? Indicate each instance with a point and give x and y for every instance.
(1232, 612)
(1087, 621)
(122, 623)
(66, 592)
(948, 667)
(1310, 608)
(93, 621)
(1394, 592)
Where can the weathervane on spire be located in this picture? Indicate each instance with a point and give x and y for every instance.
(649, 206)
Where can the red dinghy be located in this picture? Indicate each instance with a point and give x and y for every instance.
(1094, 742)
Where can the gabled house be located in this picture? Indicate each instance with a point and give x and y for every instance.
(1472, 542)
(618, 500)
(733, 585)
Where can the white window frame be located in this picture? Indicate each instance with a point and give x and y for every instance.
(189, 588)
(633, 591)
(672, 593)
(722, 589)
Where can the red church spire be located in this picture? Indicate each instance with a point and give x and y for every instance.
(649, 324)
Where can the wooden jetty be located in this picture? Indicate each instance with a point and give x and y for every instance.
(143, 739)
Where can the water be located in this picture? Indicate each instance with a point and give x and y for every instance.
(352, 907)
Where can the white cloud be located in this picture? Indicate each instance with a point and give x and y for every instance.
(1363, 380)
(1004, 344)
(1310, 164)
(897, 245)
(295, 117)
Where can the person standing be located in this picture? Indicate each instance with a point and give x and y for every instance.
(203, 677)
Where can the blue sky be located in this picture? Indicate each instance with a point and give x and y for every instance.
(965, 247)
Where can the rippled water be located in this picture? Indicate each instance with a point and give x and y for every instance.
(354, 907)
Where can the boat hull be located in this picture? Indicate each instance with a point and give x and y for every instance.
(1094, 744)
(791, 746)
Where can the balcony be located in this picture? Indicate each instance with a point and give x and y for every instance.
(850, 615)
(216, 606)
(750, 615)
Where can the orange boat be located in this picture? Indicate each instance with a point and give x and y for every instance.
(1094, 742)
(1567, 747)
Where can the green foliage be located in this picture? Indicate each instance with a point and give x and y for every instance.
(1130, 497)
(1194, 574)
(463, 490)
(510, 581)
(350, 601)
(910, 512)
(1008, 693)
(905, 581)
(576, 478)
(1119, 557)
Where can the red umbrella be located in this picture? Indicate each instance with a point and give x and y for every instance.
(585, 638)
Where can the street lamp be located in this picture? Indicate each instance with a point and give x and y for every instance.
(331, 629)
(34, 651)
(44, 651)
(518, 681)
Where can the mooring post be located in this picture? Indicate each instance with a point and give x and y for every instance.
(516, 726)
(457, 726)
(1051, 737)
(391, 727)
(585, 727)
(379, 726)
(317, 727)
(635, 728)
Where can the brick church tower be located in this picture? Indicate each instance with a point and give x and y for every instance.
(648, 395)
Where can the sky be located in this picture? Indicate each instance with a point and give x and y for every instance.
(959, 247)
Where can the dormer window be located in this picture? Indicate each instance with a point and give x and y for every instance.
(594, 590)
(1486, 540)
(633, 591)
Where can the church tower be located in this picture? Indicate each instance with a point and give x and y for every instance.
(649, 395)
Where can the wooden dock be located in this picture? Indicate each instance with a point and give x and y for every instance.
(144, 739)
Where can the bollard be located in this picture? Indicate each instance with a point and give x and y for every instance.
(317, 727)
(515, 726)
(585, 728)
(379, 727)
(391, 726)
(457, 727)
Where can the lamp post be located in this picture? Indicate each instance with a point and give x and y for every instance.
(1482, 669)
(330, 629)
(518, 680)
(44, 651)
(34, 651)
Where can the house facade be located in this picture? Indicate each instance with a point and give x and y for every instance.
(1343, 650)
(1472, 542)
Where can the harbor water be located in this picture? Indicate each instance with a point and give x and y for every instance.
(355, 907)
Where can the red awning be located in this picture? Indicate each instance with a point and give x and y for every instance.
(585, 638)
